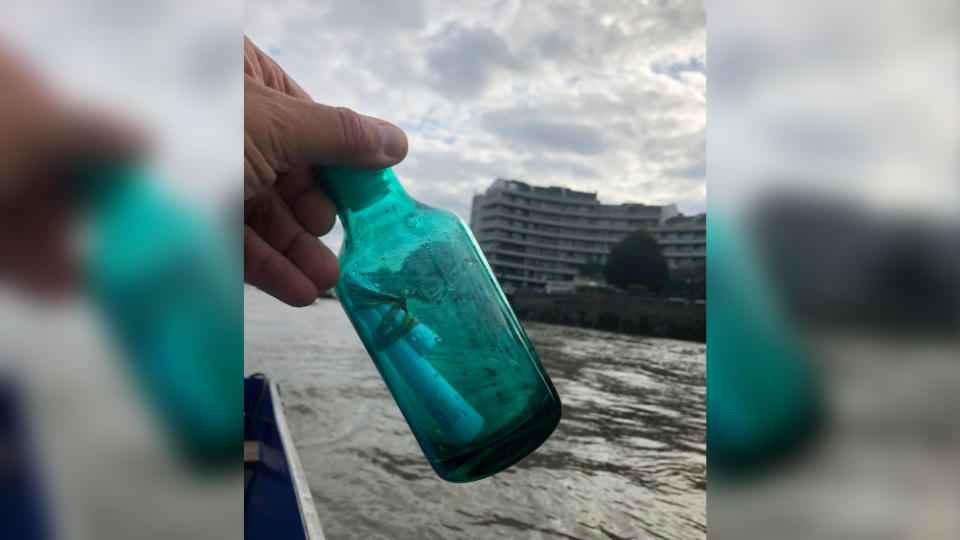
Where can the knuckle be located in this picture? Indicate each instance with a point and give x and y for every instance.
(356, 138)
(257, 211)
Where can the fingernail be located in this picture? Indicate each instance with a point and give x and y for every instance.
(392, 141)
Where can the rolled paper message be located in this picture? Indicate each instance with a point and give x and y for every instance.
(405, 342)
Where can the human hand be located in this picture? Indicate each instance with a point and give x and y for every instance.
(42, 139)
(286, 136)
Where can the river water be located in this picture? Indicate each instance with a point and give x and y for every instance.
(627, 461)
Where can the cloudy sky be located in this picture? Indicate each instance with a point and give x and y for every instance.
(605, 96)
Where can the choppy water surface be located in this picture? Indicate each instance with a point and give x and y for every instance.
(627, 460)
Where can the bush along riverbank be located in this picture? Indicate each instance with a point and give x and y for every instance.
(658, 317)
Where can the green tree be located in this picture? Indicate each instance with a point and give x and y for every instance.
(637, 260)
(689, 282)
(591, 269)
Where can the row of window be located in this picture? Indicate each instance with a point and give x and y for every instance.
(699, 235)
(685, 247)
(534, 203)
(578, 256)
(504, 273)
(684, 261)
(546, 240)
(539, 263)
(552, 229)
(583, 208)
(520, 259)
(546, 252)
(612, 235)
(669, 250)
(549, 192)
(614, 223)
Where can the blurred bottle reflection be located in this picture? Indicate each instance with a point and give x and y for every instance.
(168, 289)
(762, 400)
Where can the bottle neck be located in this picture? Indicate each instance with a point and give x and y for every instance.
(98, 184)
(357, 194)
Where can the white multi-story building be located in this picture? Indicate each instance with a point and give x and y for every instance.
(532, 235)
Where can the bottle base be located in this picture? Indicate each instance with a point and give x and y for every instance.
(503, 452)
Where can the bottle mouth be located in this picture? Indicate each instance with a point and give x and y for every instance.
(353, 189)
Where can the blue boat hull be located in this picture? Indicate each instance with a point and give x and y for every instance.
(277, 502)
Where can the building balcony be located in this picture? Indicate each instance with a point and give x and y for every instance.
(511, 277)
(526, 255)
(701, 253)
(664, 242)
(575, 198)
(572, 197)
(488, 206)
(494, 237)
(615, 235)
(530, 268)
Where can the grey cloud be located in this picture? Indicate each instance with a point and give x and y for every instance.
(578, 33)
(544, 167)
(691, 146)
(697, 170)
(556, 45)
(463, 58)
(376, 14)
(453, 199)
(578, 37)
(680, 16)
(629, 105)
(517, 126)
(447, 179)
(578, 97)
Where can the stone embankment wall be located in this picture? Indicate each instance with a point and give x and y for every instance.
(618, 313)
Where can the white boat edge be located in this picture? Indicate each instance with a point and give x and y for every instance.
(308, 512)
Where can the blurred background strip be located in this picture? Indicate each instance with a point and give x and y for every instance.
(122, 366)
(833, 151)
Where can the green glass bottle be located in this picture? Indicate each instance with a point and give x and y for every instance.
(431, 315)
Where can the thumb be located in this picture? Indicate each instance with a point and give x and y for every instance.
(302, 132)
